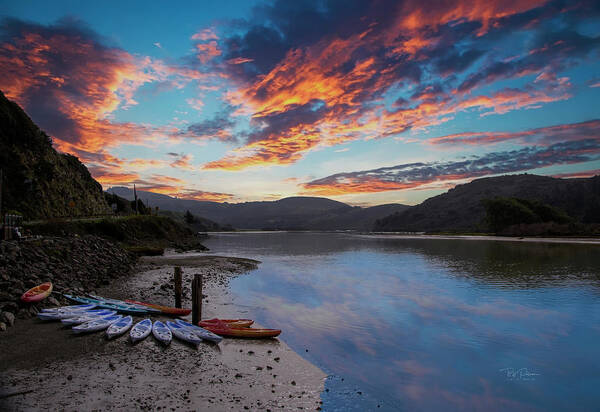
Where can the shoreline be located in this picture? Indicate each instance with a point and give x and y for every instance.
(400, 235)
(88, 372)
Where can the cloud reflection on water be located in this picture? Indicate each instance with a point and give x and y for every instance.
(428, 324)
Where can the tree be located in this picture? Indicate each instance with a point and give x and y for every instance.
(189, 218)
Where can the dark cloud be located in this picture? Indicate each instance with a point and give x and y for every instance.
(413, 175)
(348, 55)
(218, 127)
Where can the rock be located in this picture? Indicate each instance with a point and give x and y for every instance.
(2, 326)
(8, 317)
(53, 301)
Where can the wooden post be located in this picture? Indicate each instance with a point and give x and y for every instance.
(197, 299)
(177, 279)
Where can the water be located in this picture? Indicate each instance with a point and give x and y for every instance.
(428, 324)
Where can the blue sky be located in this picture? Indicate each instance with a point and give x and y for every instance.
(367, 103)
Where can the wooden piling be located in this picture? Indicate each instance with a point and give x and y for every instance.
(197, 299)
(177, 280)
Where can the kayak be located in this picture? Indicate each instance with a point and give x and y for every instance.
(96, 324)
(72, 307)
(60, 314)
(183, 333)
(37, 293)
(232, 323)
(141, 330)
(119, 328)
(123, 303)
(224, 330)
(200, 332)
(162, 333)
(167, 310)
(87, 316)
(123, 308)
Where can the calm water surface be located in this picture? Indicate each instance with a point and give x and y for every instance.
(427, 324)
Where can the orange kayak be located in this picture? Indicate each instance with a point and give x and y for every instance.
(223, 330)
(167, 310)
(37, 293)
(232, 323)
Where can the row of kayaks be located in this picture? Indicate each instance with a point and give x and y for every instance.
(41, 292)
(98, 315)
(87, 319)
(107, 309)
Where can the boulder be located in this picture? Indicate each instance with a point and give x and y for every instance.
(8, 318)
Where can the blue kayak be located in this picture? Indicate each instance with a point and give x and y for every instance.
(119, 328)
(161, 332)
(200, 332)
(122, 308)
(183, 333)
(141, 330)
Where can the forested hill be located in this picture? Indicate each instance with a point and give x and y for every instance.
(461, 208)
(38, 181)
(292, 213)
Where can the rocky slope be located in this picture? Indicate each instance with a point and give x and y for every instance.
(72, 264)
(461, 209)
(39, 182)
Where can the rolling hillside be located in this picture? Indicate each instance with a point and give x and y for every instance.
(460, 209)
(295, 213)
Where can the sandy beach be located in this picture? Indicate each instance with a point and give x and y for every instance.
(44, 367)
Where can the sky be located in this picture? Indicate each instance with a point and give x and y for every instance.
(365, 102)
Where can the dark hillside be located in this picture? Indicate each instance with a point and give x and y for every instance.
(300, 213)
(38, 181)
(461, 208)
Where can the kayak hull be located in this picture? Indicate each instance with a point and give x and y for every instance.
(141, 330)
(119, 328)
(184, 334)
(37, 293)
(121, 308)
(162, 333)
(202, 333)
(248, 333)
(97, 324)
(167, 310)
(232, 323)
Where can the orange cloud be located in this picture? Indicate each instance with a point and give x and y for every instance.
(344, 79)
(70, 84)
(207, 51)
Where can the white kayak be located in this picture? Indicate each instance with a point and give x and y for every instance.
(61, 314)
(119, 328)
(183, 333)
(96, 324)
(87, 316)
(71, 307)
(200, 332)
(141, 330)
(161, 332)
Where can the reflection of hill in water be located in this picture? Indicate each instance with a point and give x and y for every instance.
(508, 264)
(498, 263)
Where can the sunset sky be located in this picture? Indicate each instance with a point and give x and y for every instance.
(366, 102)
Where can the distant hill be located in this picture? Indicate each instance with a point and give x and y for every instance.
(461, 209)
(39, 182)
(292, 213)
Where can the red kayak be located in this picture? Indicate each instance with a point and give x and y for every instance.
(167, 310)
(232, 323)
(37, 293)
(221, 328)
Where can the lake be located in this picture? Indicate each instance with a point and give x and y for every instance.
(430, 324)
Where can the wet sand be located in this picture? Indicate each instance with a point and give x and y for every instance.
(66, 372)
